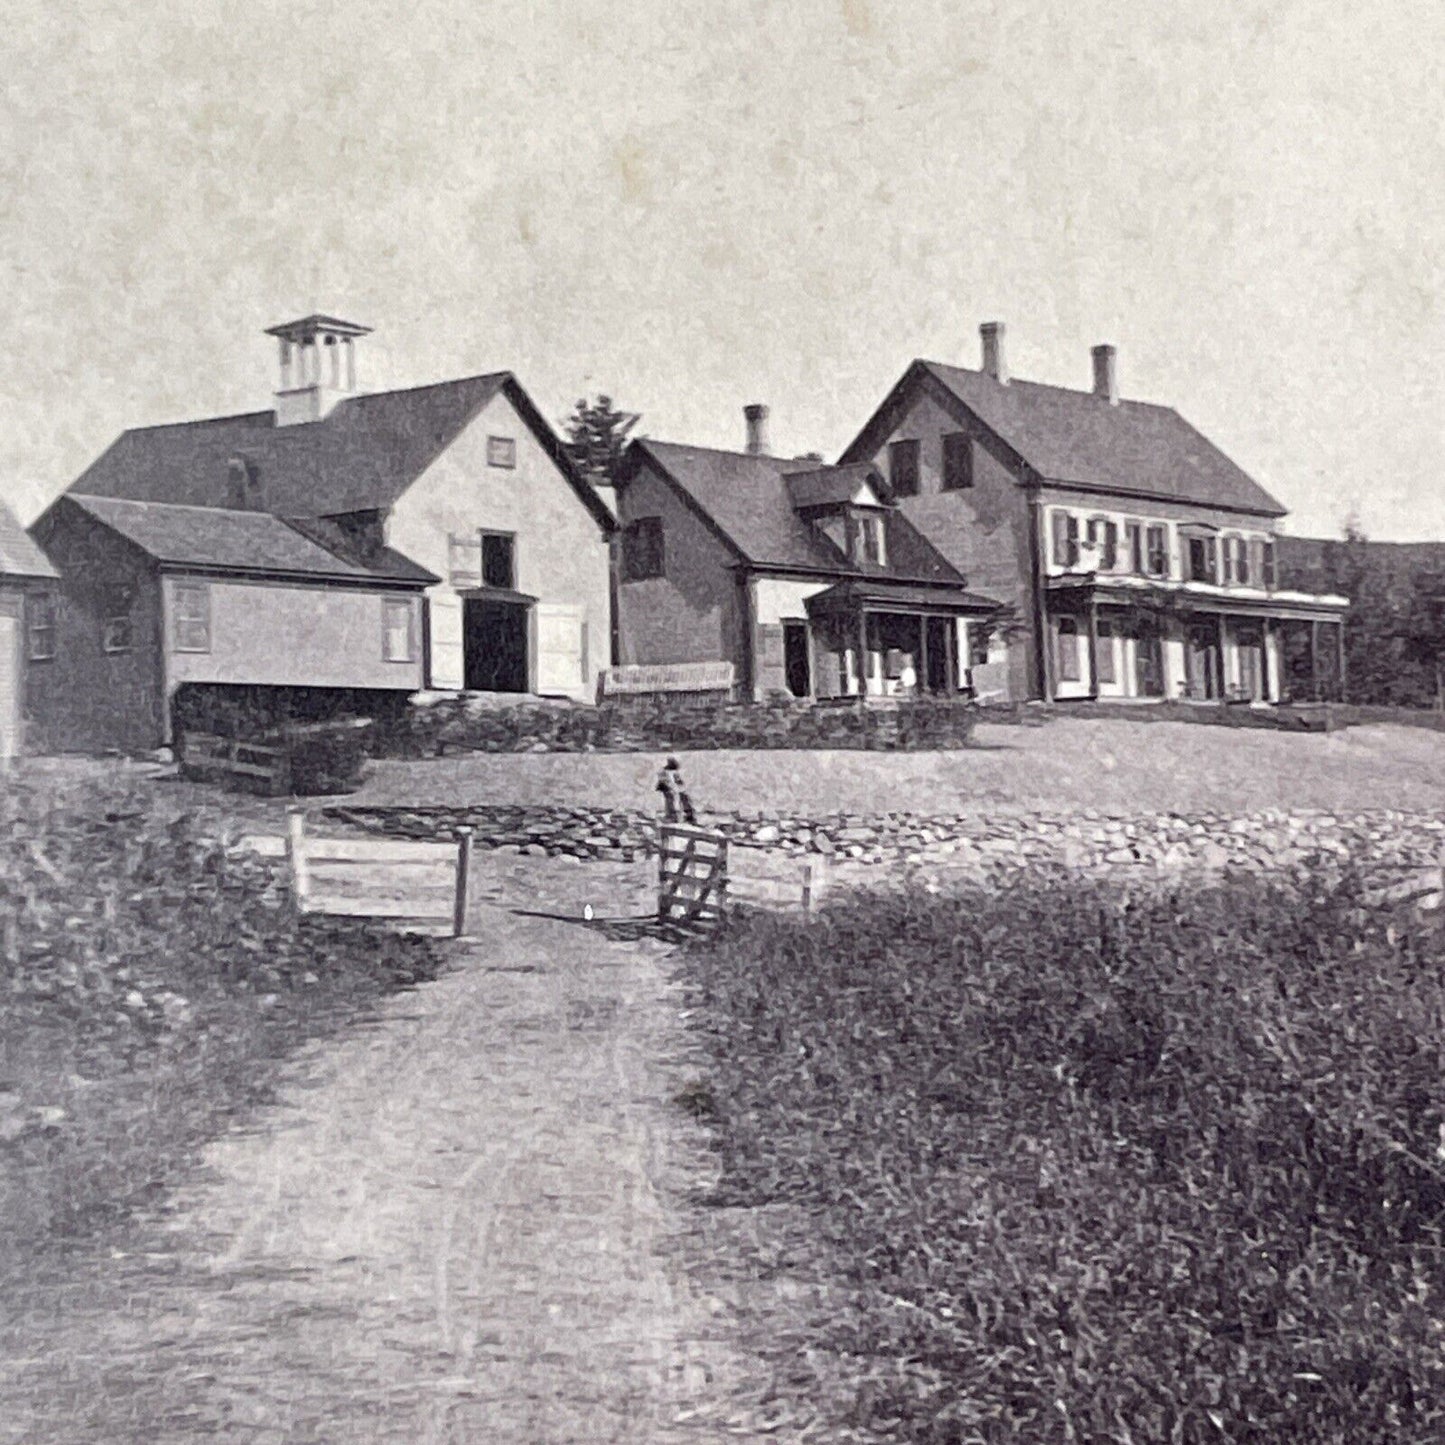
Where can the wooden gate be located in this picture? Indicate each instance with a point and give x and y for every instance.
(692, 874)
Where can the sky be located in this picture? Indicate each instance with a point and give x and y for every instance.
(691, 206)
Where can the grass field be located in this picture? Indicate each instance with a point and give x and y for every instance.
(1039, 1165)
(1063, 764)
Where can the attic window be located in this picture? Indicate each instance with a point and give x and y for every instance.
(502, 452)
(903, 468)
(642, 550)
(957, 461)
(868, 539)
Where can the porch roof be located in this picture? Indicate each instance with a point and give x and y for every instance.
(878, 596)
(1208, 597)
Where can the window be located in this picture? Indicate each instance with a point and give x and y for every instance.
(116, 633)
(1157, 541)
(957, 461)
(1105, 653)
(1065, 539)
(978, 638)
(499, 559)
(501, 452)
(191, 619)
(40, 614)
(1104, 535)
(1266, 564)
(1134, 544)
(1203, 559)
(868, 539)
(1238, 567)
(1068, 634)
(642, 549)
(398, 641)
(903, 468)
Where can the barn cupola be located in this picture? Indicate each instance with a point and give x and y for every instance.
(318, 366)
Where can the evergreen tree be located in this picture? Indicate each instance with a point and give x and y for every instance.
(596, 438)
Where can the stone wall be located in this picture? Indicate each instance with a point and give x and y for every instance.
(1381, 843)
(665, 722)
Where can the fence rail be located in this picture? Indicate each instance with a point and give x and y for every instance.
(421, 883)
(206, 755)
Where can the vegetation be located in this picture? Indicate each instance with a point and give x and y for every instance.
(596, 435)
(152, 983)
(1085, 1168)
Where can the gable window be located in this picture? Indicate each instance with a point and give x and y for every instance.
(1104, 537)
(499, 559)
(957, 461)
(1065, 530)
(40, 615)
(642, 555)
(398, 636)
(1068, 634)
(116, 632)
(502, 452)
(1157, 542)
(191, 617)
(903, 468)
(1134, 546)
(1203, 559)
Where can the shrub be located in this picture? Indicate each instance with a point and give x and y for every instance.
(1094, 1169)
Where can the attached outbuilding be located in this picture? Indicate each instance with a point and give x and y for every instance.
(26, 626)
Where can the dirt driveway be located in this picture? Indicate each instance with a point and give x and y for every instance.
(457, 1225)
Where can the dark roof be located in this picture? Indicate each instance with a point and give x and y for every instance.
(744, 498)
(829, 486)
(19, 555)
(360, 457)
(1321, 561)
(899, 594)
(1075, 438)
(235, 541)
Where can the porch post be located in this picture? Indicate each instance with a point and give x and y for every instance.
(1266, 632)
(1093, 648)
(862, 653)
(1315, 658)
(921, 671)
(950, 640)
(1223, 674)
(1340, 656)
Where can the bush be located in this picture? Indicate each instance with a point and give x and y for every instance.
(152, 981)
(1165, 1169)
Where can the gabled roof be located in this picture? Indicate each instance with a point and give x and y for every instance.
(19, 555)
(744, 499)
(1075, 438)
(215, 538)
(360, 457)
(832, 486)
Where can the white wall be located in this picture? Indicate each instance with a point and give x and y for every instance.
(561, 554)
(780, 598)
(287, 635)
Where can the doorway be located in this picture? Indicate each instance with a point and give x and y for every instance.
(1201, 662)
(494, 645)
(1249, 646)
(1148, 664)
(796, 671)
(940, 654)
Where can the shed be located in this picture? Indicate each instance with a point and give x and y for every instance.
(25, 579)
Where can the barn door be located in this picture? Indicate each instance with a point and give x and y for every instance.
(561, 650)
(9, 688)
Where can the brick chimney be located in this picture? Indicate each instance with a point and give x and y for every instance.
(756, 416)
(1106, 381)
(994, 364)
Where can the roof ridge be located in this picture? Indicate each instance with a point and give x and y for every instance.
(1021, 381)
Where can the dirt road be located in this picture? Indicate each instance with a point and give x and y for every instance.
(456, 1226)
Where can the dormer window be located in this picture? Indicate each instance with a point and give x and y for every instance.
(869, 539)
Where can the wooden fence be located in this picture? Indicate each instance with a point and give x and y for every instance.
(698, 879)
(212, 758)
(421, 885)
